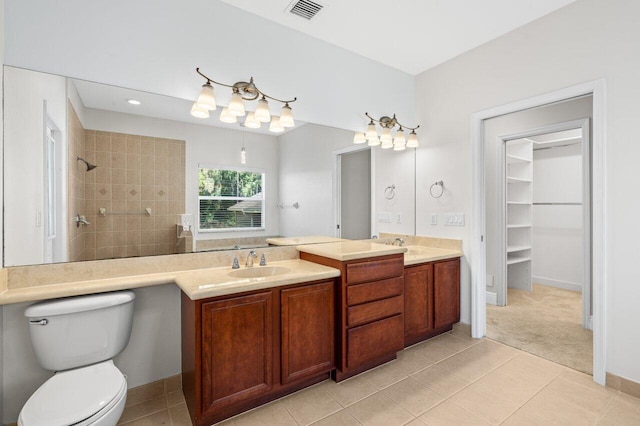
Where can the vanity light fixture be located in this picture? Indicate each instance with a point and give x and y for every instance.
(385, 139)
(243, 91)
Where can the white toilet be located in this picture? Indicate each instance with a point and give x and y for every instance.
(77, 337)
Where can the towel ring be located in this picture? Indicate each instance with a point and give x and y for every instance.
(390, 192)
(436, 184)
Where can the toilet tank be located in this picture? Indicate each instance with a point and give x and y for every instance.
(82, 330)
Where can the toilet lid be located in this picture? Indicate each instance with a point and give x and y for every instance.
(73, 395)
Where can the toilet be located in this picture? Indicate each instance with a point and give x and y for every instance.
(77, 337)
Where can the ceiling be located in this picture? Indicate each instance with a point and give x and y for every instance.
(409, 35)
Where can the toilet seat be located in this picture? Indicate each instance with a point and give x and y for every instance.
(75, 397)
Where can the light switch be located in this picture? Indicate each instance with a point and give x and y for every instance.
(434, 218)
(399, 218)
(454, 219)
(384, 217)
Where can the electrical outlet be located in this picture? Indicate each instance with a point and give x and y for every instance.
(434, 218)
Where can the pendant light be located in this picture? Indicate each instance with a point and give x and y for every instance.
(262, 111)
(236, 105)
(385, 138)
(412, 142)
(198, 111)
(286, 116)
(275, 125)
(359, 137)
(251, 121)
(227, 117)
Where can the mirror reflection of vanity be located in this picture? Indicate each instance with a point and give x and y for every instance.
(91, 176)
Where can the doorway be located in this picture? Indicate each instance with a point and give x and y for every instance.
(542, 298)
(599, 230)
(354, 176)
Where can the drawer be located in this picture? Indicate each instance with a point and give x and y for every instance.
(367, 312)
(375, 340)
(368, 292)
(375, 270)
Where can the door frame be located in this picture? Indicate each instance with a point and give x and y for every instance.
(583, 124)
(337, 187)
(596, 88)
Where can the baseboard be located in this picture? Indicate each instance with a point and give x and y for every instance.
(492, 298)
(565, 285)
(623, 385)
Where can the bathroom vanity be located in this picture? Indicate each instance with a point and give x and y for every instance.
(243, 350)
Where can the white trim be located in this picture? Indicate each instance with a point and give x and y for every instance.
(599, 213)
(564, 285)
(492, 298)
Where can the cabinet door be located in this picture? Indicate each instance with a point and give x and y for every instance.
(237, 349)
(446, 277)
(418, 300)
(308, 331)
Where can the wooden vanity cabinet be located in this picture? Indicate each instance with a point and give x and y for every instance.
(370, 307)
(243, 350)
(431, 299)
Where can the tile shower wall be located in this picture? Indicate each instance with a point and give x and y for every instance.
(76, 185)
(134, 173)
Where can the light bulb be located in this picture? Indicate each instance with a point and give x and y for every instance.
(243, 156)
(359, 138)
(371, 133)
(399, 143)
(251, 121)
(262, 111)
(226, 117)
(412, 142)
(236, 106)
(198, 111)
(399, 139)
(275, 125)
(206, 99)
(286, 117)
(374, 141)
(386, 144)
(385, 137)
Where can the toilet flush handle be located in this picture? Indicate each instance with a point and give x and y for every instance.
(43, 321)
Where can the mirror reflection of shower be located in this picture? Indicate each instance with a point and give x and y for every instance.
(89, 165)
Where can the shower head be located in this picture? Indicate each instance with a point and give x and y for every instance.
(89, 165)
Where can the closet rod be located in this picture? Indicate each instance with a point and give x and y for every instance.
(557, 204)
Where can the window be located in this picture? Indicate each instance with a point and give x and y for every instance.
(230, 200)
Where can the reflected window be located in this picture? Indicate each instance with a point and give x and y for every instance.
(230, 199)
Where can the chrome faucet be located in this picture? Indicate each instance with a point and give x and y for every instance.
(235, 265)
(263, 260)
(252, 255)
(400, 242)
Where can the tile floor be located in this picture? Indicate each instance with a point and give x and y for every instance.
(449, 380)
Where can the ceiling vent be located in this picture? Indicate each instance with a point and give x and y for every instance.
(306, 9)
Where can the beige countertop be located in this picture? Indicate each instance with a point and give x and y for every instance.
(421, 254)
(212, 282)
(350, 250)
(197, 284)
(294, 241)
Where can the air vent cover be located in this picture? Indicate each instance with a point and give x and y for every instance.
(306, 9)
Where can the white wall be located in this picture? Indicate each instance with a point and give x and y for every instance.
(143, 45)
(214, 146)
(307, 163)
(153, 353)
(587, 40)
(24, 95)
(1, 197)
(395, 168)
(509, 124)
(558, 246)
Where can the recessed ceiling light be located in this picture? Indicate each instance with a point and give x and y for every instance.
(134, 102)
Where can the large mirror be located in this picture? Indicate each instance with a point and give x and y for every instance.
(92, 174)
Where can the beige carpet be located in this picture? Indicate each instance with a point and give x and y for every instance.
(546, 322)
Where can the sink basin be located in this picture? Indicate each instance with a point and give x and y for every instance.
(416, 251)
(259, 272)
(413, 252)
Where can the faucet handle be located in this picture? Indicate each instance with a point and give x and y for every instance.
(263, 261)
(236, 264)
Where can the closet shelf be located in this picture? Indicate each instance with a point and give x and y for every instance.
(515, 260)
(519, 203)
(511, 159)
(521, 225)
(513, 249)
(511, 179)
